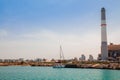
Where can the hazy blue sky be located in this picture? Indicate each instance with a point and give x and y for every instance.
(36, 28)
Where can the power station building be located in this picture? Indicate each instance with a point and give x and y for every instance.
(108, 52)
(114, 52)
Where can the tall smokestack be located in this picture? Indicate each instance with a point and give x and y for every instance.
(104, 48)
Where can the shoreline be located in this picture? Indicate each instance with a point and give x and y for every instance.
(90, 67)
(83, 65)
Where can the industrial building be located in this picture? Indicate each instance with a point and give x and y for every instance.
(114, 52)
(108, 52)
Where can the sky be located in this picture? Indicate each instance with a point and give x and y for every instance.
(36, 28)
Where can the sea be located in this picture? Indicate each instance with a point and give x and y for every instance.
(49, 73)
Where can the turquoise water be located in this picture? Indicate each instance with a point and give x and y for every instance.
(49, 73)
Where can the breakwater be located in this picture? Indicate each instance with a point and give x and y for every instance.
(95, 65)
(83, 64)
(114, 66)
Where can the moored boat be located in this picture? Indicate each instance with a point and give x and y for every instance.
(60, 64)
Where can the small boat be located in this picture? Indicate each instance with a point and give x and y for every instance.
(59, 64)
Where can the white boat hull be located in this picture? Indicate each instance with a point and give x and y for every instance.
(58, 66)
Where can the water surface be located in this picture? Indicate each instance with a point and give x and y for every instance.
(49, 73)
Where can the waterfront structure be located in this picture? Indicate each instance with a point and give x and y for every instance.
(104, 48)
(21, 59)
(10, 60)
(114, 52)
(82, 58)
(53, 60)
(75, 59)
(1, 60)
(99, 57)
(38, 60)
(90, 58)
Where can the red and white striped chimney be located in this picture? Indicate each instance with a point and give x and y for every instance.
(104, 48)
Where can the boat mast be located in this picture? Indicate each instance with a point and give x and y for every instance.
(61, 53)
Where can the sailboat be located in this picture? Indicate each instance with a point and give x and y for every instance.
(59, 64)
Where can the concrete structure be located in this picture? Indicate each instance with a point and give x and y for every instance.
(99, 57)
(104, 48)
(38, 60)
(114, 52)
(90, 58)
(82, 58)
